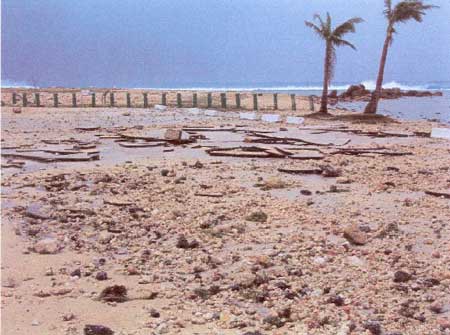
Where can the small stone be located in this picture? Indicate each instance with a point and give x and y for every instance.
(401, 276)
(336, 299)
(68, 317)
(76, 273)
(343, 180)
(97, 330)
(164, 172)
(102, 275)
(105, 237)
(354, 235)
(35, 323)
(437, 307)
(273, 320)
(257, 216)
(183, 243)
(373, 327)
(154, 313)
(443, 323)
(132, 270)
(115, 293)
(47, 246)
(198, 165)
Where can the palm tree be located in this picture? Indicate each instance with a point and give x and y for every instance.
(402, 12)
(333, 39)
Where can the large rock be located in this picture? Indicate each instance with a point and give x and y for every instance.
(97, 330)
(354, 235)
(47, 246)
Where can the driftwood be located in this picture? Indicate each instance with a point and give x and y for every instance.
(141, 145)
(214, 195)
(198, 129)
(288, 140)
(301, 171)
(438, 194)
(117, 203)
(378, 151)
(259, 152)
(87, 128)
(53, 159)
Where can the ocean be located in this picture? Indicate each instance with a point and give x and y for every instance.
(410, 108)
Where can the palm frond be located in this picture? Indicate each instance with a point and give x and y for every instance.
(317, 17)
(387, 8)
(347, 27)
(340, 42)
(315, 28)
(328, 24)
(409, 10)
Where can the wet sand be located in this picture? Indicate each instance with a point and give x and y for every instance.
(223, 245)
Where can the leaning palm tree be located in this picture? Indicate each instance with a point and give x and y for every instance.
(333, 38)
(402, 12)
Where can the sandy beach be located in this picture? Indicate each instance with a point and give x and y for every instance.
(334, 226)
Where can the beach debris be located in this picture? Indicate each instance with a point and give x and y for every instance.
(438, 194)
(402, 276)
(270, 118)
(440, 133)
(114, 293)
(97, 330)
(54, 158)
(173, 134)
(213, 195)
(295, 120)
(364, 151)
(17, 110)
(160, 107)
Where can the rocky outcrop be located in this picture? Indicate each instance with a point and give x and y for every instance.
(359, 92)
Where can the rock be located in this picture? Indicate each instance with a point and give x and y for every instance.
(105, 237)
(258, 216)
(132, 270)
(165, 172)
(68, 317)
(17, 110)
(336, 299)
(343, 180)
(274, 320)
(183, 243)
(76, 273)
(115, 293)
(154, 313)
(102, 275)
(47, 246)
(354, 235)
(443, 323)
(437, 307)
(373, 327)
(198, 165)
(329, 171)
(401, 276)
(173, 134)
(97, 330)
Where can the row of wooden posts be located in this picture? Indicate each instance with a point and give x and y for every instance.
(223, 100)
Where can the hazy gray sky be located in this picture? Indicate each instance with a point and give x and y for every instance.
(143, 43)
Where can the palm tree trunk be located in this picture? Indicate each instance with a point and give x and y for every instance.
(326, 80)
(372, 106)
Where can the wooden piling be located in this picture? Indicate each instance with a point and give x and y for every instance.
(128, 100)
(24, 100)
(238, 100)
(194, 100)
(111, 99)
(209, 99)
(74, 100)
(311, 103)
(93, 99)
(223, 100)
(164, 99)
(55, 100)
(145, 100)
(179, 103)
(275, 101)
(255, 101)
(293, 103)
(37, 98)
(14, 98)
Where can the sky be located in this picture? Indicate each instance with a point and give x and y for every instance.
(160, 43)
